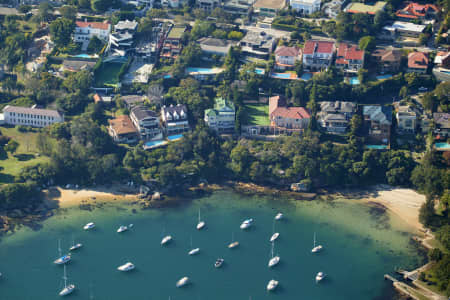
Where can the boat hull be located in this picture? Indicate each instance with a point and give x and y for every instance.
(67, 290)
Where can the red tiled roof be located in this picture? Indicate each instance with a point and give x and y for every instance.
(318, 47)
(347, 51)
(122, 125)
(414, 10)
(291, 113)
(418, 60)
(97, 25)
(97, 98)
(287, 51)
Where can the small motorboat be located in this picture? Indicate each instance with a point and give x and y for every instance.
(122, 229)
(62, 260)
(166, 240)
(182, 282)
(320, 276)
(274, 261)
(272, 285)
(233, 245)
(274, 236)
(75, 247)
(89, 226)
(194, 251)
(219, 262)
(279, 216)
(126, 267)
(246, 224)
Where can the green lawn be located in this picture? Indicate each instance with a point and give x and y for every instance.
(256, 114)
(26, 154)
(107, 74)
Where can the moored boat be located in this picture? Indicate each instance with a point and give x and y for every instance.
(126, 267)
(315, 248)
(68, 289)
(166, 240)
(122, 229)
(274, 236)
(279, 216)
(246, 224)
(320, 276)
(219, 262)
(194, 251)
(200, 223)
(182, 282)
(272, 285)
(89, 226)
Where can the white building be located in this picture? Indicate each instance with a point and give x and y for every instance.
(174, 119)
(305, 6)
(84, 31)
(222, 117)
(31, 116)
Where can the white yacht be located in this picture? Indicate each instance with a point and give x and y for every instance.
(272, 285)
(233, 243)
(200, 223)
(166, 240)
(122, 229)
(320, 276)
(274, 260)
(274, 236)
(68, 289)
(219, 262)
(194, 251)
(246, 224)
(89, 226)
(182, 282)
(126, 267)
(75, 246)
(279, 216)
(62, 258)
(315, 248)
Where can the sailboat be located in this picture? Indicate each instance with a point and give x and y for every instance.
(75, 246)
(275, 259)
(193, 251)
(275, 235)
(182, 282)
(68, 289)
(233, 243)
(200, 223)
(315, 248)
(62, 258)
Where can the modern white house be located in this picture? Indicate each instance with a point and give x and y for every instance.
(305, 6)
(121, 40)
(222, 117)
(84, 31)
(31, 116)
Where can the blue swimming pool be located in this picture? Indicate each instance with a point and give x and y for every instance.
(354, 81)
(174, 137)
(377, 147)
(167, 76)
(83, 55)
(381, 77)
(281, 75)
(442, 145)
(200, 70)
(306, 76)
(154, 143)
(446, 72)
(259, 71)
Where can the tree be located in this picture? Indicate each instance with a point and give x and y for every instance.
(12, 146)
(434, 254)
(44, 11)
(61, 31)
(403, 93)
(80, 81)
(363, 76)
(367, 43)
(235, 35)
(68, 12)
(100, 5)
(95, 45)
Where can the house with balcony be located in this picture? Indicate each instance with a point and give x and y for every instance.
(417, 62)
(318, 55)
(415, 11)
(172, 45)
(174, 119)
(334, 116)
(377, 123)
(207, 5)
(387, 60)
(222, 117)
(306, 7)
(122, 130)
(286, 57)
(121, 40)
(84, 31)
(257, 44)
(349, 58)
(146, 122)
(406, 118)
(238, 8)
(287, 118)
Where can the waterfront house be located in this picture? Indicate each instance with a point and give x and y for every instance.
(362, 8)
(415, 11)
(406, 118)
(317, 55)
(146, 122)
(284, 117)
(334, 116)
(377, 122)
(174, 119)
(305, 6)
(286, 57)
(388, 60)
(122, 130)
(212, 46)
(268, 8)
(349, 58)
(222, 117)
(84, 31)
(257, 44)
(417, 62)
(172, 45)
(442, 123)
(31, 116)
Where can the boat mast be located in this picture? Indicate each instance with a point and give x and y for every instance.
(199, 215)
(314, 240)
(65, 277)
(59, 247)
(272, 248)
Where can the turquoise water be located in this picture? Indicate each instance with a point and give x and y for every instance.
(378, 147)
(306, 76)
(83, 55)
(167, 76)
(259, 71)
(442, 145)
(281, 75)
(174, 137)
(354, 81)
(359, 249)
(201, 70)
(154, 143)
(382, 77)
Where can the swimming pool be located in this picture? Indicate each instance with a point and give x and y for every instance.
(442, 145)
(83, 55)
(306, 76)
(167, 76)
(201, 70)
(174, 137)
(154, 143)
(281, 75)
(354, 81)
(377, 147)
(381, 77)
(259, 71)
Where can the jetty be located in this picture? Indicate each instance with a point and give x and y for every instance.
(389, 277)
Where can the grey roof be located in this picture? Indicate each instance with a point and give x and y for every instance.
(381, 114)
(133, 99)
(179, 109)
(126, 25)
(32, 111)
(257, 38)
(337, 106)
(141, 113)
(442, 119)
